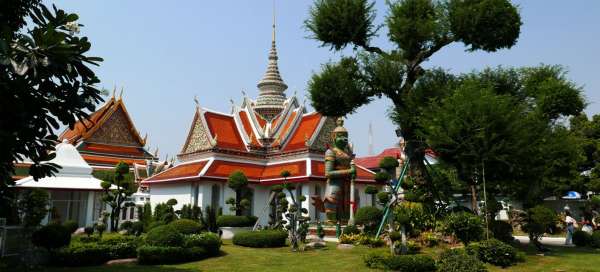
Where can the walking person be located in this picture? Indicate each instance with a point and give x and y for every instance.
(571, 225)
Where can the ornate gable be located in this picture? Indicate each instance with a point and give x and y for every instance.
(115, 130)
(198, 137)
(323, 138)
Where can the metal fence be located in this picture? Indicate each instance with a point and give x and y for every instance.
(12, 241)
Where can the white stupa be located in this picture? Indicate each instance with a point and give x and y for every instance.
(75, 173)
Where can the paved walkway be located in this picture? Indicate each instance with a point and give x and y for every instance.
(549, 241)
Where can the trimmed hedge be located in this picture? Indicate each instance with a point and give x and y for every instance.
(164, 235)
(236, 221)
(502, 231)
(51, 236)
(71, 225)
(410, 263)
(261, 238)
(581, 238)
(186, 226)
(457, 260)
(169, 255)
(82, 255)
(494, 252)
(467, 227)
(207, 240)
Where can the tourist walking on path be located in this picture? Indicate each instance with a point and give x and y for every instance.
(571, 225)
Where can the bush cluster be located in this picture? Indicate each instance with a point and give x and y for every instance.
(582, 238)
(410, 263)
(236, 221)
(95, 250)
(457, 260)
(369, 217)
(164, 235)
(207, 240)
(186, 226)
(502, 231)
(51, 236)
(596, 239)
(351, 229)
(71, 225)
(467, 227)
(493, 252)
(361, 239)
(261, 238)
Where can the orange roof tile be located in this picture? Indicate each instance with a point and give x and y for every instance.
(225, 129)
(305, 130)
(261, 122)
(274, 171)
(179, 171)
(224, 168)
(111, 161)
(111, 149)
(248, 127)
(318, 168)
(372, 162)
(285, 128)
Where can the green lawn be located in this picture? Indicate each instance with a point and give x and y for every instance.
(237, 258)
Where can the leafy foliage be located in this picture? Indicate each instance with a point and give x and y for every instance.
(186, 226)
(238, 182)
(494, 252)
(261, 238)
(236, 221)
(207, 240)
(165, 235)
(116, 192)
(467, 227)
(51, 236)
(368, 216)
(457, 260)
(410, 263)
(581, 238)
(168, 255)
(537, 221)
(71, 225)
(46, 80)
(33, 206)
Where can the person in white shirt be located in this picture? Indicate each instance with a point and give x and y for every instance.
(571, 225)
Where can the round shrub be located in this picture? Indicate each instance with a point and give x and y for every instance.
(207, 240)
(371, 190)
(596, 239)
(51, 236)
(376, 260)
(467, 227)
(137, 228)
(236, 221)
(71, 225)
(410, 263)
(388, 163)
(351, 229)
(502, 231)
(494, 252)
(581, 238)
(164, 236)
(457, 260)
(261, 238)
(368, 216)
(186, 226)
(126, 225)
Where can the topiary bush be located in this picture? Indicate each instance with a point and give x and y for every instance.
(207, 240)
(186, 226)
(595, 242)
(82, 255)
(581, 238)
(410, 263)
(351, 229)
(236, 221)
(368, 216)
(51, 236)
(502, 231)
(261, 238)
(467, 227)
(537, 221)
(168, 255)
(376, 260)
(71, 225)
(457, 260)
(494, 252)
(165, 235)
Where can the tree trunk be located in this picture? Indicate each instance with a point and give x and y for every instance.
(474, 206)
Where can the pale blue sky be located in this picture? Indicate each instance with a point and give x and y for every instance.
(165, 52)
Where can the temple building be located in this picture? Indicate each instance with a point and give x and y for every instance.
(260, 137)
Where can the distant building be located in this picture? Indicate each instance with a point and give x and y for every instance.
(261, 138)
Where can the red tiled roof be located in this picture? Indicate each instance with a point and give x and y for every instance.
(273, 171)
(109, 161)
(372, 162)
(248, 127)
(222, 169)
(225, 129)
(112, 149)
(285, 128)
(304, 131)
(178, 172)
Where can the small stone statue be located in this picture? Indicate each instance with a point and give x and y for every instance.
(339, 170)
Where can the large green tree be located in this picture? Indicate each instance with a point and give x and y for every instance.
(45, 80)
(503, 125)
(417, 29)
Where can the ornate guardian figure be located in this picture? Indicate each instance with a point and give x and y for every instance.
(339, 170)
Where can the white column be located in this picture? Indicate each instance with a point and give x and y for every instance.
(351, 220)
(89, 211)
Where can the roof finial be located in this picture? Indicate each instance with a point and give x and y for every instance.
(196, 101)
(114, 90)
(121, 94)
(273, 20)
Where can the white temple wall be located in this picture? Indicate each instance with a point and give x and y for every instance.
(183, 193)
(260, 203)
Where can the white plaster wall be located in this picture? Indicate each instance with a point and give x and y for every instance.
(162, 193)
(260, 203)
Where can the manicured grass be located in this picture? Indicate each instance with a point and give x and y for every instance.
(236, 258)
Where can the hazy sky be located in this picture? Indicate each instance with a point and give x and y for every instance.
(165, 52)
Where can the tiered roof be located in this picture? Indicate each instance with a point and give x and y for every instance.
(108, 136)
(260, 137)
